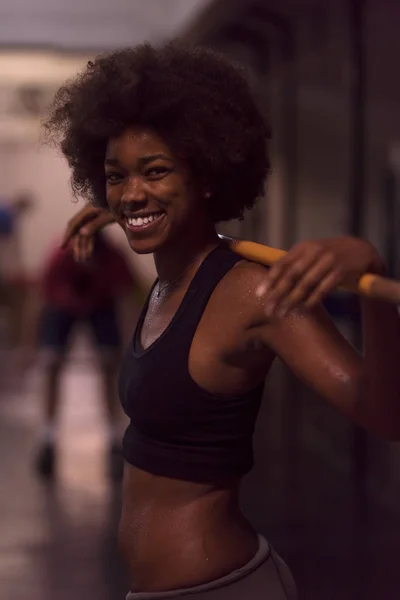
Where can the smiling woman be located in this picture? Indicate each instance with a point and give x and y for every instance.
(129, 183)
(170, 141)
(149, 190)
(178, 95)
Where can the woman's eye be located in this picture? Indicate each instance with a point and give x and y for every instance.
(156, 171)
(113, 177)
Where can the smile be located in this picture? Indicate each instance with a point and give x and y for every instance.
(141, 223)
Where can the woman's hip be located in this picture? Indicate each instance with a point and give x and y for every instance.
(264, 577)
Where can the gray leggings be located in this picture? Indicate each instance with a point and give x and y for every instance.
(265, 577)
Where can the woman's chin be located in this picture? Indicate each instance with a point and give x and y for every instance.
(147, 242)
(144, 246)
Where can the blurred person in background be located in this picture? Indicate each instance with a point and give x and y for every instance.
(99, 292)
(168, 142)
(13, 278)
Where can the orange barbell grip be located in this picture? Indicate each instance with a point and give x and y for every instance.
(370, 285)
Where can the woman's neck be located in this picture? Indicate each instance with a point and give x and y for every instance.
(184, 254)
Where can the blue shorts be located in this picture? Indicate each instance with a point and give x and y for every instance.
(57, 325)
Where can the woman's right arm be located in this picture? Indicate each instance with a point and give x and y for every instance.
(81, 229)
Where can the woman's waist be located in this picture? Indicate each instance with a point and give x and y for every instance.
(181, 553)
(177, 533)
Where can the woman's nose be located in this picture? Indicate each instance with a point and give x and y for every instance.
(134, 192)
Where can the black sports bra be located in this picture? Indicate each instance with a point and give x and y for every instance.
(177, 429)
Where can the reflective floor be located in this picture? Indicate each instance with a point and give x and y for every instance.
(337, 527)
(57, 541)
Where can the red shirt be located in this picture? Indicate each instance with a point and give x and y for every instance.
(81, 288)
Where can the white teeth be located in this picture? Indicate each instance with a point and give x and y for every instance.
(139, 221)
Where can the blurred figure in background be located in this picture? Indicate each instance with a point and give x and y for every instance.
(13, 278)
(11, 212)
(97, 292)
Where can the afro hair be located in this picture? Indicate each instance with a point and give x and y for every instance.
(194, 99)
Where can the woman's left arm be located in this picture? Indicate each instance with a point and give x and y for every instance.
(366, 388)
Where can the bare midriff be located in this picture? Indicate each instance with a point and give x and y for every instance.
(175, 534)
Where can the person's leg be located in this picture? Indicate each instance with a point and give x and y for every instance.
(10, 301)
(55, 329)
(18, 308)
(107, 336)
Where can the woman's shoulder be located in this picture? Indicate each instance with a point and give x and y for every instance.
(241, 293)
(234, 314)
(247, 279)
